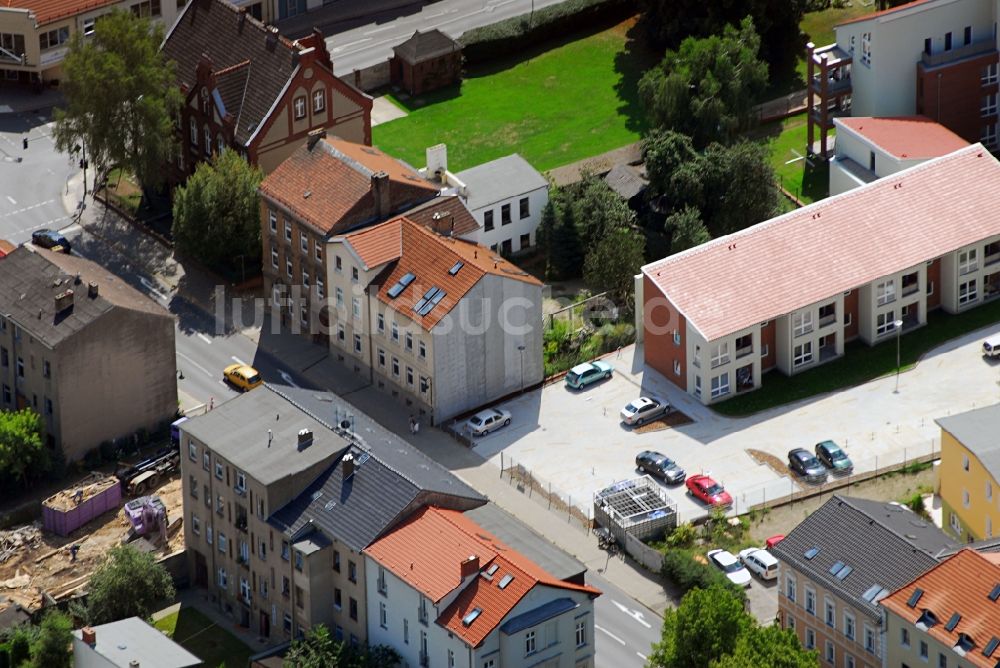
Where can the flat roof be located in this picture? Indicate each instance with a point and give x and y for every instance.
(978, 431)
(134, 640)
(904, 137)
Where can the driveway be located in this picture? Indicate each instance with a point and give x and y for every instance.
(574, 441)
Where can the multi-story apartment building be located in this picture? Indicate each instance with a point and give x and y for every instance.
(969, 473)
(870, 148)
(35, 34)
(441, 323)
(448, 593)
(937, 58)
(75, 342)
(788, 293)
(327, 187)
(948, 617)
(838, 563)
(248, 88)
(278, 509)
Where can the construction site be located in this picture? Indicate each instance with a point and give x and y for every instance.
(52, 559)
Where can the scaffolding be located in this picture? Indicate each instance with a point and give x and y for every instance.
(639, 507)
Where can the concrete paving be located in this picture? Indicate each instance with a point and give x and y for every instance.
(384, 111)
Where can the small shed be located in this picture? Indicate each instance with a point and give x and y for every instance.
(629, 182)
(425, 62)
(638, 507)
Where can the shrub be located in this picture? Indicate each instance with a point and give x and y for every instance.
(512, 36)
(683, 536)
(681, 568)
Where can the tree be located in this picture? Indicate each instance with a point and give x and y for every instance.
(567, 253)
(686, 229)
(704, 627)
(768, 647)
(707, 88)
(318, 650)
(740, 187)
(128, 584)
(597, 210)
(545, 236)
(121, 97)
(664, 152)
(217, 213)
(22, 449)
(50, 648)
(614, 261)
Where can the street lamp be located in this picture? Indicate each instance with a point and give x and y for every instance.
(899, 330)
(520, 349)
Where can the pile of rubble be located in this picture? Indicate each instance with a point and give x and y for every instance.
(13, 540)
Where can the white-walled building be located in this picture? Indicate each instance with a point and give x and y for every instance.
(443, 591)
(871, 148)
(128, 643)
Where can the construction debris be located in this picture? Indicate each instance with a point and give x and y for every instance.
(83, 490)
(15, 539)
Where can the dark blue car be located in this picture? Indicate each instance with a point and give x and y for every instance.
(50, 239)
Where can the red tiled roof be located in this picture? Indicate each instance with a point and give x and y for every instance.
(960, 584)
(834, 245)
(329, 185)
(6, 248)
(427, 550)
(905, 137)
(429, 257)
(47, 11)
(883, 12)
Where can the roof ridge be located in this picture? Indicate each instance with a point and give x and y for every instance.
(232, 68)
(259, 25)
(851, 503)
(347, 160)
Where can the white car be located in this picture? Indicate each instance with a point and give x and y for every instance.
(730, 565)
(644, 409)
(486, 421)
(760, 561)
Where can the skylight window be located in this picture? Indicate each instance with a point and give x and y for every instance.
(471, 617)
(991, 646)
(400, 285)
(953, 622)
(493, 569)
(505, 580)
(915, 597)
(455, 268)
(995, 594)
(874, 593)
(430, 299)
(836, 567)
(811, 552)
(844, 572)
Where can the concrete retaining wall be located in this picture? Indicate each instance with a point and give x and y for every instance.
(649, 558)
(369, 78)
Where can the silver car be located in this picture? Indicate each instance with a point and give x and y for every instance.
(642, 410)
(487, 420)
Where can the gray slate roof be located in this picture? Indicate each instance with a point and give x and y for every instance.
(423, 46)
(238, 431)
(500, 179)
(394, 479)
(626, 181)
(885, 544)
(979, 431)
(134, 640)
(30, 281)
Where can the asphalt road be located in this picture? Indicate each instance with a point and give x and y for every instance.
(30, 190)
(624, 629)
(369, 44)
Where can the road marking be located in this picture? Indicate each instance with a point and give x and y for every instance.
(609, 633)
(634, 614)
(238, 361)
(204, 338)
(642, 656)
(195, 364)
(12, 200)
(287, 378)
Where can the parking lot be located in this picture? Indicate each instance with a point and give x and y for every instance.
(574, 441)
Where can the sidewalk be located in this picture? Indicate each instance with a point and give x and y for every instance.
(16, 99)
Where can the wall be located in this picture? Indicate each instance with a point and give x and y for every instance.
(512, 232)
(555, 639)
(660, 320)
(371, 77)
(982, 513)
(898, 654)
(952, 94)
(84, 656)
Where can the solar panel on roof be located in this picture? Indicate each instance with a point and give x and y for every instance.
(991, 646)
(953, 622)
(915, 597)
(811, 552)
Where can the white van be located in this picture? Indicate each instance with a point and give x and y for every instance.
(991, 346)
(760, 562)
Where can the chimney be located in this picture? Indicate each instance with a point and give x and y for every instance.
(64, 301)
(444, 223)
(89, 635)
(92, 290)
(348, 465)
(380, 191)
(315, 136)
(272, 37)
(305, 438)
(470, 566)
(437, 162)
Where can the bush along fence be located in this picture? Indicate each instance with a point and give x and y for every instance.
(527, 483)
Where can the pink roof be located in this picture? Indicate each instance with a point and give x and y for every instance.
(883, 12)
(834, 245)
(905, 137)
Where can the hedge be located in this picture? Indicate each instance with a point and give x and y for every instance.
(681, 568)
(512, 36)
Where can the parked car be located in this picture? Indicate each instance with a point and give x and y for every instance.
(660, 466)
(642, 410)
(51, 239)
(991, 346)
(761, 562)
(708, 491)
(242, 376)
(589, 372)
(805, 464)
(833, 457)
(730, 565)
(487, 420)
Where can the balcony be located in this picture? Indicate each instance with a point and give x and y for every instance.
(834, 85)
(827, 320)
(744, 351)
(991, 258)
(719, 361)
(424, 659)
(422, 616)
(969, 50)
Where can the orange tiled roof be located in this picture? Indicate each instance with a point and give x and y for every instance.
(960, 584)
(47, 11)
(429, 257)
(891, 10)
(834, 245)
(6, 248)
(906, 137)
(427, 550)
(330, 184)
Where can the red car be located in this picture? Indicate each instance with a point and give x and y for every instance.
(708, 491)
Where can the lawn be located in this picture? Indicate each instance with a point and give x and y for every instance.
(861, 363)
(558, 104)
(203, 638)
(787, 137)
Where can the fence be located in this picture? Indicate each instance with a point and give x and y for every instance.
(575, 312)
(528, 483)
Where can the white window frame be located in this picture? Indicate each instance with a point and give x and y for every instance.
(830, 652)
(319, 100)
(193, 125)
(320, 287)
(988, 107)
(829, 612)
(802, 354)
(305, 278)
(299, 105)
(720, 354)
(989, 74)
(356, 306)
(208, 140)
(968, 261)
(581, 633)
(810, 600)
(220, 143)
(288, 231)
(677, 367)
(272, 219)
(720, 388)
(870, 641)
(885, 292)
(850, 626)
(887, 325)
(810, 639)
(339, 294)
(968, 291)
(802, 323)
(304, 242)
(421, 350)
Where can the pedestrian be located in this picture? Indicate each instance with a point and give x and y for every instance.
(413, 428)
(211, 403)
(416, 425)
(72, 553)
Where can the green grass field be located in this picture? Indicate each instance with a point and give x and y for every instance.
(808, 182)
(571, 101)
(200, 636)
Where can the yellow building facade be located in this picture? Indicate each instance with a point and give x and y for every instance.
(970, 473)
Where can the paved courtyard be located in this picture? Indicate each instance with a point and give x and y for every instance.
(574, 441)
